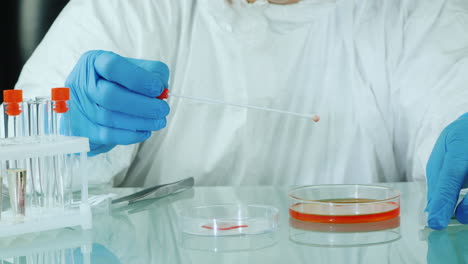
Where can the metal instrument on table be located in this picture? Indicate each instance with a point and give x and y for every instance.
(157, 191)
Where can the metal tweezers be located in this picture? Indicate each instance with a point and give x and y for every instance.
(158, 191)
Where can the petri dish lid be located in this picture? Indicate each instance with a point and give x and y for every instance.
(228, 220)
(344, 203)
(333, 193)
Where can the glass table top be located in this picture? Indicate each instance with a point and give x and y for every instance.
(149, 231)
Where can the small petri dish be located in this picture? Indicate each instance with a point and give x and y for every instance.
(228, 220)
(344, 204)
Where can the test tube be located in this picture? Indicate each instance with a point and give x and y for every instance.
(17, 189)
(61, 126)
(13, 116)
(46, 172)
(13, 124)
(39, 126)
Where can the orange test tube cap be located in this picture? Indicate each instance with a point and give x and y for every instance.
(60, 94)
(13, 96)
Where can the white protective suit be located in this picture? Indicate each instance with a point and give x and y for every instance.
(386, 76)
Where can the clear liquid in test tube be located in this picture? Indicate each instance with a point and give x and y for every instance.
(13, 126)
(17, 189)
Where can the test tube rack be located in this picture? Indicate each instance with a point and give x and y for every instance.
(39, 218)
(40, 166)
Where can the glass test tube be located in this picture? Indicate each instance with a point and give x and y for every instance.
(14, 123)
(47, 172)
(32, 165)
(13, 126)
(62, 163)
(39, 111)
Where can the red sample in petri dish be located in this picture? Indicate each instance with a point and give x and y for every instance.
(224, 227)
(356, 204)
(228, 219)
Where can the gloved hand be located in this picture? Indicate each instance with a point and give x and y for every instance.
(447, 171)
(113, 99)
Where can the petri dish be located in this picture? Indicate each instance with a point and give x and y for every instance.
(344, 203)
(228, 220)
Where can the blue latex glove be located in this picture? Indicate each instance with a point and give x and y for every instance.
(447, 171)
(113, 99)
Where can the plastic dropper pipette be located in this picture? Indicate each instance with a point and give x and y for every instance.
(165, 94)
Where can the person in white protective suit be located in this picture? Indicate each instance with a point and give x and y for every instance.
(386, 77)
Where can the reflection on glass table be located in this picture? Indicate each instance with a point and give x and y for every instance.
(226, 244)
(448, 245)
(99, 255)
(344, 235)
(51, 247)
(149, 232)
(113, 233)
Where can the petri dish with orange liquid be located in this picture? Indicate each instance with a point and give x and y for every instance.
(344, 203)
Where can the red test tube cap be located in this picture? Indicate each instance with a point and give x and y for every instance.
(60, 94)
(13, 96)
(164, 94)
